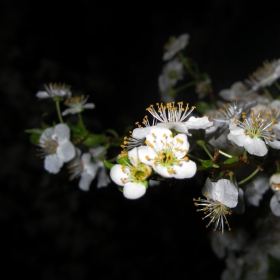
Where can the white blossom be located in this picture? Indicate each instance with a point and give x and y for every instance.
(256, 188)
(77, 104)
(175, 45)
(221, 196)
(55, 90)
(132, 177)
(254, 133)
(82, 167)
(56, 147)
(167, 154)
(172, 117)
(265, 76)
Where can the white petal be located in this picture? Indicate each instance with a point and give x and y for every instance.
(181, 142)
(85, 181)
(178, 126)
(46, 135)
(133, 156)
(159, 137)
(62, 131)
(53, 163)
(133, 190)
(146, 155)
(275, 206)
(71, 111)
(225, 192)
(65, 150)
(208, 188)
(162, 171)
(141, 133)
(255, 146)
(274, 144)
(103, 178)
(89, 106)
(42, 94)
(198, 123)
(117, 175)
(185, 170)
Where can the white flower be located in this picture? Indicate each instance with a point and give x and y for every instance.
(175, 45)
(167, 154)
(265, 75)
(254, 133)
(132, 177)
(56, 147)
(220, 197)
(55, 90)
(77, 104)
(102, 177)
(238, 90)
(83, 167)
(274, 182)
(172, 117)
(254, 190)
(172, 72)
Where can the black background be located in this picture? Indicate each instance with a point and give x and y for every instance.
(113, 52)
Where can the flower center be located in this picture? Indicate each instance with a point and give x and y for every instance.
(141, 172)
(49, 147)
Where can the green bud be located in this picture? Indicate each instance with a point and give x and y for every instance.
(208, 164)
(94, 140)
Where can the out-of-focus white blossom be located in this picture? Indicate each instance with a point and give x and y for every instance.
(55, 90)
(256, 188)
(175, 45)
(56, 147)
(254, 133)
(265, 76)
(77, 104)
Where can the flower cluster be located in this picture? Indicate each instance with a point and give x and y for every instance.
(231, 137)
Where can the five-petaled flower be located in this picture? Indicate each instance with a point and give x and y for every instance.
(133, 177)
(77, 104)
(221, 196)
(56, 147)
(167, 154)
(55, 90)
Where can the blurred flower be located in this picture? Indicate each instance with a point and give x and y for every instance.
(254, 133)
(56, 147)
(82, 167)
(175, 45)
(55, 90)
(256, 188)
(167, 154)
(133, 177)
(220, 196)
(77, 104)
(265, 75)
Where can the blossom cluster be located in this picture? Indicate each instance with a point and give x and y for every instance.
(230, 139)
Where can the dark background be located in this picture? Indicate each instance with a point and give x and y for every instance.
(113, 52)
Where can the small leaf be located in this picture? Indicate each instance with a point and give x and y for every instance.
(108, 164)
(94, 140)
(232, 160)
(202, 107)
(208, 164)
(34, 131)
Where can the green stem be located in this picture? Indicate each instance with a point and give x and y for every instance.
(278, 166)
(184, 86)
(195, 158)
(267, 93)
(277, 85)
(249, 177)
(81, 119)
(58, 111)
(201, 143)
(186, 64)
(225, 154)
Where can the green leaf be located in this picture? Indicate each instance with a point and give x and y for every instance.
(34, 131)
(113, 132)
(108, 164)
(94, 140)
(34, 138)
(123, 160)
(232, 160)
(78, 130)
(208, 164)
(202, 107)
